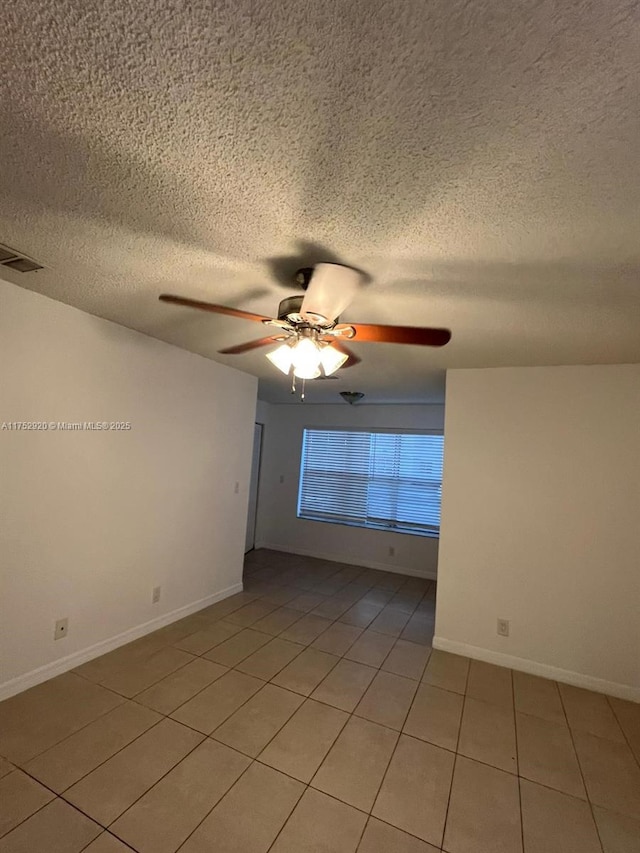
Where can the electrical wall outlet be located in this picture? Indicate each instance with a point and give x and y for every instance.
(281, 478)
(155, 597)
(61, 628)
(503, 628)
(236, 489)
(392, 551)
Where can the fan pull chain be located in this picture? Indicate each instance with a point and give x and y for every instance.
(293, 387)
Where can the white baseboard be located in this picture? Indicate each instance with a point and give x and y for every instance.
(350, 560)
(567, 676)
(57, 667)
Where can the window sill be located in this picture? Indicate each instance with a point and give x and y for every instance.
(428, 534)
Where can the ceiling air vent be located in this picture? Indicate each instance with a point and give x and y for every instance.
(15, 261)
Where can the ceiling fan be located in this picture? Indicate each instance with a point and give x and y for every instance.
(310, 337)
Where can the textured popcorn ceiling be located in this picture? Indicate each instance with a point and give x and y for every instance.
(479, 159)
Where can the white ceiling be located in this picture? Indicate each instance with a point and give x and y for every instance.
(479, 159)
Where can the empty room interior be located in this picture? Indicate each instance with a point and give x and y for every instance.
(320, 427)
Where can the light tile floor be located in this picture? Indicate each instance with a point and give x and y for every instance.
(309, 713)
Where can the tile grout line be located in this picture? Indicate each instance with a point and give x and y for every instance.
(624, 734)
(77, 808)
(255, 758)
(197, 693)
(166, 717)
(147, 658)
(148, 687)
(248, 699)
(60, 796)
(352, 716)
(233, 669)
(77, 731)
(269, 680)
(364, 829)
(515, 731)
(455, 759)
(84, 776)
(584, 782)
(111, 835)
(388, 728)
(349, 717)
(157, 782)
(400, 733)
(217, 803)
(33, 814)
(308, 784)
(210, 735)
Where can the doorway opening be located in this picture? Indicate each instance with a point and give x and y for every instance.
(252, 512)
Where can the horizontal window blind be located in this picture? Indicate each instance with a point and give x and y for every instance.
(372, 479)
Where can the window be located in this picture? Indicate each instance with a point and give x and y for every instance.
(383, 480)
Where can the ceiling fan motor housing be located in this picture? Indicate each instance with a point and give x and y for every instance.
(289, 311)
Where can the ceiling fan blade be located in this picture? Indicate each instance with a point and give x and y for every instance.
(416, 335)
(352, 358)
(249, 345)
(209, 306)
(330, 291)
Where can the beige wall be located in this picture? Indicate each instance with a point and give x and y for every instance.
(92, 521)
(541, 522)
(279, 528)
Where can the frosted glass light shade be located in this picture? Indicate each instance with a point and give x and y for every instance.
(331, 359)
(306, 372)
(306, 358)
(282, 357)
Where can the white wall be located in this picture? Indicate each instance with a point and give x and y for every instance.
(541, 522)
(92, 521)
(278, 526)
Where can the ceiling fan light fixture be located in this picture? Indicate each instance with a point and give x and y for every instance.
(331, 359)
(308, 358)
(282, 358)
(351, 397)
